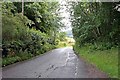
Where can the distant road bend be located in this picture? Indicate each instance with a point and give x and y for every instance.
(57, 63)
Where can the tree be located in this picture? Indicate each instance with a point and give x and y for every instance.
(62, 36)
(95, 22)
(22, 7)
(34, 32)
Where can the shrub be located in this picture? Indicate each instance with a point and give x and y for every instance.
(24, 55)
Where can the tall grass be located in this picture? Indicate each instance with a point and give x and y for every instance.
(105, 60)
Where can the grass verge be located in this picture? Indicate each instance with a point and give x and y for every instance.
(21, 56)
(17, 58)
(106, 60)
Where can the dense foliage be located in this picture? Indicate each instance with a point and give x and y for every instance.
(96, 30)
(28, 35)
(61, 36)
(96, 23)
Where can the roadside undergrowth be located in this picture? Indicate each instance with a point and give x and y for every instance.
(105, 60)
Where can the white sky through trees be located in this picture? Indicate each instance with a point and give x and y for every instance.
(64, 12)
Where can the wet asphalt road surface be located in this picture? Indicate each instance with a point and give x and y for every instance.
(57, 63)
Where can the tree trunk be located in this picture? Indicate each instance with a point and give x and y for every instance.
(22, 7)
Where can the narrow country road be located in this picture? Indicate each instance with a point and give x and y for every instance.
(57, 63)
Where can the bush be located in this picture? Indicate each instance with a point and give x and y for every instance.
(101, 46)
(24, 55)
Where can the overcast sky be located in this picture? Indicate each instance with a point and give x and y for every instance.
(66, 16)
